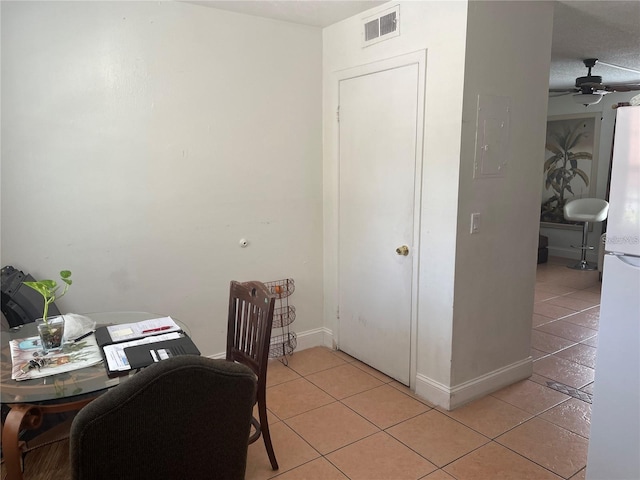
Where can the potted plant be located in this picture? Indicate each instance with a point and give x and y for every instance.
(51, 330)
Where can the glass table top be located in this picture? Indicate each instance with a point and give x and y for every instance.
(63, 386)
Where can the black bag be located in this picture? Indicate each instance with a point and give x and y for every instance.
(21, 304)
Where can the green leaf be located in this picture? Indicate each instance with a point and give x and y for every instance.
(583, 176)
(581, 155)
(553, 148)
(551, 161)
(51, 284)
(38, 287)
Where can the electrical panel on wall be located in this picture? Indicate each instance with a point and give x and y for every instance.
(492, 136)
(381, 26)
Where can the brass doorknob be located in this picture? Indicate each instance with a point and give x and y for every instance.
(403, 250)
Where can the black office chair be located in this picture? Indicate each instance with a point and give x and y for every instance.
(185, 417)
(21, 304)
(248, 336)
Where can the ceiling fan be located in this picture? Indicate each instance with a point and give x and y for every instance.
(589, 89)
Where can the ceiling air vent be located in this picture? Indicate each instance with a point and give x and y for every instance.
(382, 26)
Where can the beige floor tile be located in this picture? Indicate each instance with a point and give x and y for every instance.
(555, 289)
(580, 353)
(541, 295)
(555, 448)
(385, 406)
(495, 462)
(547, 309)
(407, 391)
(531, 396)
(295, 397)
(271, 417)
(291, 451)
(278, 373)
(539, 379)
(538, 320)
(536, 354)
(344, 356)
(380, 457)
(546, 342)
(588, 318)
(574, 279)
(438, 475)
(574, 415)
(372, 371)
(568, 330)
(588, 388)
(437, 437)
(489, 416)
(581, 475)
(596, 288)
(579, 280)
(314, 360)
(587, 295)
(564, 371)
(331, 427)
(572, 303)
(343, 381)
(318, 469)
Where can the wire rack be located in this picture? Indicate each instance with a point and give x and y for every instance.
(282, 288)
(285, 341)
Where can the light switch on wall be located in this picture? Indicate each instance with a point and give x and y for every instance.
(475, 223)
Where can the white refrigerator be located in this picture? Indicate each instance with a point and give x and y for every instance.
(614, 444)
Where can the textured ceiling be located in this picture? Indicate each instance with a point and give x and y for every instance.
(607, 30)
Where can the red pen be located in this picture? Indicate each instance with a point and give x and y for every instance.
(159, 329)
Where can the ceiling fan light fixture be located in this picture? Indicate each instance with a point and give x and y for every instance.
(587, 99)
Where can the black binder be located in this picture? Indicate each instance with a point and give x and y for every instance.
(144, 355)
(140, 356)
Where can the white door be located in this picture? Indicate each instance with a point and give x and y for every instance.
(380, 125)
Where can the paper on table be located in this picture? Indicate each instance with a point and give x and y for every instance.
(116, 358)
(130, 331)
(72, 356)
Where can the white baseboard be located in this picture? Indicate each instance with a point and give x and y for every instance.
(434, 392)
(315, 338)
(453, 397)
(309, 339)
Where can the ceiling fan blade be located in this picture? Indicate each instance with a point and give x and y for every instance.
(559, 93)
(623, 87)
(618, 66)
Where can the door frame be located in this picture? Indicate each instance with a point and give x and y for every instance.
(419, 58)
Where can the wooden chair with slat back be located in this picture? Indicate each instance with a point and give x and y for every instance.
(248, 335)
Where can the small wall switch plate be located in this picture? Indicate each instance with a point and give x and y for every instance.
(475, 223)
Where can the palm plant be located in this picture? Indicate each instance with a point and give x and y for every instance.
(560, 170)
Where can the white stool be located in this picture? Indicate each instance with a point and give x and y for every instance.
(585, 210)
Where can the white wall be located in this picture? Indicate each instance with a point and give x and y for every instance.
(508, 55)
(475, 293)
(142, 140)
(560, 239)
